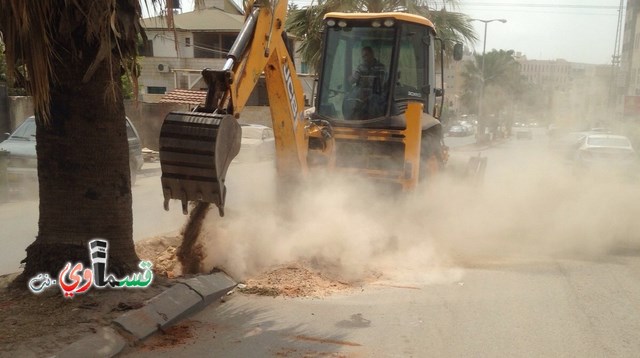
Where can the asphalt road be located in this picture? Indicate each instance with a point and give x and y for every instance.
(19, 218)
(554, 308)
(535, 263)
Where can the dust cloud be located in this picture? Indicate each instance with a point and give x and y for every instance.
(530, 206)
(533, 204)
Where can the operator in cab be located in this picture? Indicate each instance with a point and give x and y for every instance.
(369, 67)
(366, 99)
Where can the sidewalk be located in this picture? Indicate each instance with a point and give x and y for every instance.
(104, 335)
(178, 302)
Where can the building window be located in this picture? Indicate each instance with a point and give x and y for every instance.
(206, 45)
(156, 90)
(227, 43)
(146, 48)
(187, 41)
(212, 44)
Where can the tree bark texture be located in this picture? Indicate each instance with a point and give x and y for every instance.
(83, 164)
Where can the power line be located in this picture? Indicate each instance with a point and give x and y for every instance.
(552, 12)
(561, 6)
(555, 9)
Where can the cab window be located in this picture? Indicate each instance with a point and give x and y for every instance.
(411, 78)
(354, 87)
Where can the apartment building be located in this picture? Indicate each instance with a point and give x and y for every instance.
(628, 80)
(174, 56)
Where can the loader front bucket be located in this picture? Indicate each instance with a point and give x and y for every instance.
(196, 150)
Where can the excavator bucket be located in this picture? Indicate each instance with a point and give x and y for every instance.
(196, 150)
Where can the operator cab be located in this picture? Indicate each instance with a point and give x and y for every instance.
(355, 89)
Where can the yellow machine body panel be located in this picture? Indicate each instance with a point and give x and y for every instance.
(381, 16)
(403, 169)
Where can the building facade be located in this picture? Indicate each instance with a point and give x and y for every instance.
(173, 56)
(628, 80)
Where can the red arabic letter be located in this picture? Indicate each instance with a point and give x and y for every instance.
(67, 289)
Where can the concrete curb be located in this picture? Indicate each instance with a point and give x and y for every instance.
(179, 301)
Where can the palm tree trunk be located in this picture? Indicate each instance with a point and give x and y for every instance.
(83, 167)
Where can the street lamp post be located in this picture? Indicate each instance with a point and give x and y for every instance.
(481, 123)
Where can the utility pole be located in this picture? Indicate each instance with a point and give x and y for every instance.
(481, 119)
(614, 91)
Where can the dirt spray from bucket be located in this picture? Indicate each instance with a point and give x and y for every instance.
(191, 253)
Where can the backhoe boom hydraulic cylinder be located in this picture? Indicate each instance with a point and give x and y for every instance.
(243, 39)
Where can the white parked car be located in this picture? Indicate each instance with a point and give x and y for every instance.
(606, 151)
(258, 144)
(458, 131)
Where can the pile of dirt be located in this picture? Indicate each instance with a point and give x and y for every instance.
(298, 279)
(162, 252)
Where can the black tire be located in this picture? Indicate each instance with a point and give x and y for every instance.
(431, 145)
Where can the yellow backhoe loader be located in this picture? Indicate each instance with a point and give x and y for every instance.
(373, 117)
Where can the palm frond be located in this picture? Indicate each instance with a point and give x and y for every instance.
(25, 32)
(34, 31)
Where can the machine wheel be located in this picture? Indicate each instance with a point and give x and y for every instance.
(431, 155)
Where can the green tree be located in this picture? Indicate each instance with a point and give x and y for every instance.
(74, 53)
(14, 87)
(503, 83)
(127, 86)
(129, 79)
(306, 23)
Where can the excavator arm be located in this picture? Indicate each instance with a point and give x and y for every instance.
(196, 148)
(269, 55)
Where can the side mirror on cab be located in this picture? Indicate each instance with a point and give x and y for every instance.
(457, 51)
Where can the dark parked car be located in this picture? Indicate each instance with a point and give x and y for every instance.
(21, 145)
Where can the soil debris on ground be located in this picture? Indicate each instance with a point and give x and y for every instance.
(178, 334)
(162, 252)
(297, 279)
(302, 278)
(42, 325)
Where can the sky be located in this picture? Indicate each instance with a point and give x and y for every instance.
(582, 31)
(575, 30)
